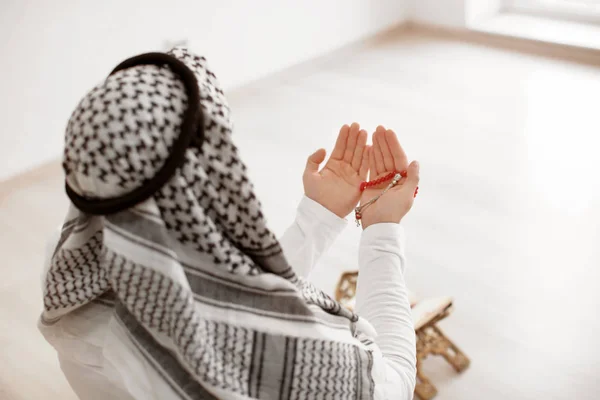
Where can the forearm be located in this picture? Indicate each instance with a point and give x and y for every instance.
(382, 298)
(312, 233)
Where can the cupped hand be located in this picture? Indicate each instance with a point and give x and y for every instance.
(388, 156)
(337, 186)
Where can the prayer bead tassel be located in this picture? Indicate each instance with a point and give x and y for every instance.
(358, 210)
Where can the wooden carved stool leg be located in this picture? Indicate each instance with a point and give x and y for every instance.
(346, 288)
(450, 351)
(424, 389)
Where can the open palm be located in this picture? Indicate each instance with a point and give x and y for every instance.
(388, 156)
(337, 186)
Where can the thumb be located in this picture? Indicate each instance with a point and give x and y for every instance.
(412, 175)
(316, 158)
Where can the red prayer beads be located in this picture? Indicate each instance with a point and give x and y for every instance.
(385, 178)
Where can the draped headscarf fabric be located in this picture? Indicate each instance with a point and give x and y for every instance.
(193, 273)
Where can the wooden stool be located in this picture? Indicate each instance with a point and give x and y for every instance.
(430, 339)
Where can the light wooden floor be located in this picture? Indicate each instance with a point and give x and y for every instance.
(507, 218)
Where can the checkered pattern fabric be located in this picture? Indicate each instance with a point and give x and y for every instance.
(194, 265)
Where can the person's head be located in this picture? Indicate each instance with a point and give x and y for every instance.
(158, 130)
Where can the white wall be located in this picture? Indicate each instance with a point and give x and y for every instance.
(452, 13)
(449, 13)
(53, 51)
(480, 10)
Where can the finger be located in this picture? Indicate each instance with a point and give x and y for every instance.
(351, 145)
(398, 154)
(412, 177)
(388, 160)
(364, 163)
(340, 144)
(372, 164)
(378, 153)
(314, 160)
(361, 142)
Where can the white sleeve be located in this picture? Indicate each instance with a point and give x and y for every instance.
(311, 234)
(382, 298)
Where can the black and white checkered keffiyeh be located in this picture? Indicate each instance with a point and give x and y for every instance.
(193, 273)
